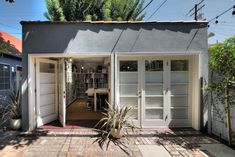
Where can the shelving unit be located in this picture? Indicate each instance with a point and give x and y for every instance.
(90, 80)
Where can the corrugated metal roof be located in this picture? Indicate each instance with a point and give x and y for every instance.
(110, 22)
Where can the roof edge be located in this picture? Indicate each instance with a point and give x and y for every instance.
(109, 22)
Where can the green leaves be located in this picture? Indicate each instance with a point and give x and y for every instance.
(222, 64)
(222, 85)
(108, 10)
(55, 12)
(115, 117)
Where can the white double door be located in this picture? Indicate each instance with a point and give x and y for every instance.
(50, 91)
(157, 89)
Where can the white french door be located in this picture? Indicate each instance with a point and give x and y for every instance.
(62, 93)
(157, 89)
(154, 92)
(129, 87)
(46, 85)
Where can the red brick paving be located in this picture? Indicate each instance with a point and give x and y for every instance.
(59, 142)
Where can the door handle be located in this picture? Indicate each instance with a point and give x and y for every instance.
(139, 94)
(166, 117)
(166, 90)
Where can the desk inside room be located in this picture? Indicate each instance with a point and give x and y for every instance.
(100, 96)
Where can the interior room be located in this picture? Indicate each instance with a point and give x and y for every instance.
(87, 89)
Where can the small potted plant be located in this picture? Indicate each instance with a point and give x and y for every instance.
(115, 119)
(14, 109)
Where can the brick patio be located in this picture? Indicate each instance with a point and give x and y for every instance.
(81, 142)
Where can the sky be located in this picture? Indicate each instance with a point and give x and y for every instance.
(12, 13)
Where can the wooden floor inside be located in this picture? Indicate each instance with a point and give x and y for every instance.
(78, 111)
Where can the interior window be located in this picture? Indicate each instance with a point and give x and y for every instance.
(179, 65)
(153, 65)
(128, 65)
(4, 76)
(47, 68)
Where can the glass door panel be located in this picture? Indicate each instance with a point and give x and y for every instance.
(153, 86)
(128, 86)
(179, 89)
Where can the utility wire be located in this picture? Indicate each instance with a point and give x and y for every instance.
(194, 7)
(146, 6)
(156, 10)
(221, 14)
(9, 26)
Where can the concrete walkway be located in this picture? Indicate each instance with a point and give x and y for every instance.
(176, 143)
(217, 150)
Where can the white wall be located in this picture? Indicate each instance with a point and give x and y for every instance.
(218, 122)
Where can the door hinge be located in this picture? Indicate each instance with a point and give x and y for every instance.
(35, 90)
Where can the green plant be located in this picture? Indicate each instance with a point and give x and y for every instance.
(117, 118)
(222, 86)
(14, 105)
(95, 10)
(3, 113)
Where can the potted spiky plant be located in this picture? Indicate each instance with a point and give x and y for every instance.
(115, 119)
(14, 111)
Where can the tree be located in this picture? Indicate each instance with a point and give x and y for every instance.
(10, 1)
(55, 12)
(222, 63)
(4, 45)
(95, 10)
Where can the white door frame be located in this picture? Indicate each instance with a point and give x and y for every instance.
(139, 93)
(193, 70)
(62, 92)
(30, 82)
(39, 120)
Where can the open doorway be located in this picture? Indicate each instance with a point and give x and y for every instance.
(72, 92)
(87, 90)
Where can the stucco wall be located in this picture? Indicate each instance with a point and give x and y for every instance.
(141, 37)
(75, 38)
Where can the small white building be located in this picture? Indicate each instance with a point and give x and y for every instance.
(158, 68)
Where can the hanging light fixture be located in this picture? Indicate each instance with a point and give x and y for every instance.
(233, 13)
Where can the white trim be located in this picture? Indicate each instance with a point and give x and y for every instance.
(119, 54)
(177, 53)
(70, 55)
(145, 123)
(31, 93)
(61, 92)
(195, 92)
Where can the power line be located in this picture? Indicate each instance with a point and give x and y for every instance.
(146, 6)
(3, 24)
(196, 8)
(156, 10)
(233, 13)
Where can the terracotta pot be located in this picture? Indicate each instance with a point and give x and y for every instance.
(116, 133)
(15, 124)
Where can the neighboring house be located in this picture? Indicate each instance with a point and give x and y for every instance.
(158, 68)
(10, 65)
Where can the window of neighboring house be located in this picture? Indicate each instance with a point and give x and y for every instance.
(4, 76)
